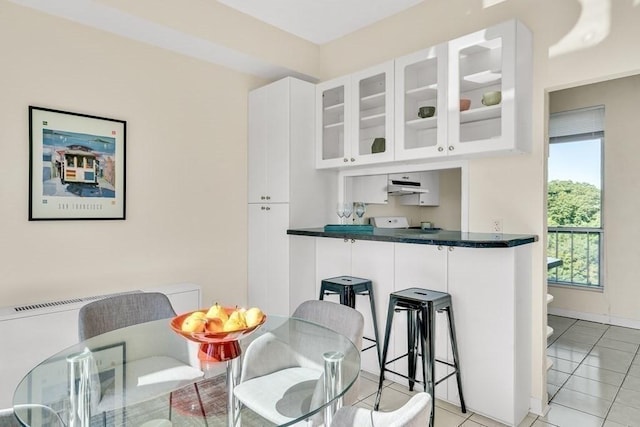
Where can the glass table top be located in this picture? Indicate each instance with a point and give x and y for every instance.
(145, 372)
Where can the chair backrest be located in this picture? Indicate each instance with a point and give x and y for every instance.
(121, 311)
(8, 418)
(414, 413)
(340, 318)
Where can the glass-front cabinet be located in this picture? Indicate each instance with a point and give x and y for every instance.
(470, 97)
(490, 90)
(421, 104)
(355, 118)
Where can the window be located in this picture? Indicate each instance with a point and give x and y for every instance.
(574, 206)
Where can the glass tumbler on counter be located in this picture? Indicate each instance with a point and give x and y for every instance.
(359, 210)
(348, 210)
(340, 212)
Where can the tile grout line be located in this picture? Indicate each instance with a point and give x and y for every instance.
(623, 380)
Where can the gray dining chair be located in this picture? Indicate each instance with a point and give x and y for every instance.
(8, 418)
(282, 384)
(414, 413)
(120, 311)
(128, 309)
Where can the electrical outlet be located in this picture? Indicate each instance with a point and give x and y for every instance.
(496, 226)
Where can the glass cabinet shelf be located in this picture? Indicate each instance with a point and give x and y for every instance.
(372, 101)
(335, 108)
(428, 91)
(481, 113)
(334, 125)
(426, 123)
(372, 120)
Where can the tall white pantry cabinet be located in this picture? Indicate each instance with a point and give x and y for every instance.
(284, 188)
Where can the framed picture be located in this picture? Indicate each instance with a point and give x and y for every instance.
(49, 386)
(76, 166)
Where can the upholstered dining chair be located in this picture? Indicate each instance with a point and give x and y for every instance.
(122, 310)
(281, 384)
(128, 309)
(8, 418)
(414, 413)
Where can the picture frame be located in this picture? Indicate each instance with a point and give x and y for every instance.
(49, 387)
(76, 166)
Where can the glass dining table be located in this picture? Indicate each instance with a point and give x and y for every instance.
(148, 373)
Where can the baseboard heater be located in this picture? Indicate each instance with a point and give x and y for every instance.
(30, 333)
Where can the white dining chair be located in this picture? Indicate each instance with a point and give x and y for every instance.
(281, 384)
(414, 413)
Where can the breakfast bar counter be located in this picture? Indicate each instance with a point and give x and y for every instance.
(424, 237)
(489, 278)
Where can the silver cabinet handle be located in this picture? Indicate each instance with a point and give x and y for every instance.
(268, 198)
(353, 240)
(262, 208)
(345, 160)
(267, 208)
(439, 247)
(353, 160)
(451, 248)
(451, 148)
(346, 240)
(261, 197)
(440, 149)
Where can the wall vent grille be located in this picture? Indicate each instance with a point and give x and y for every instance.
(49, 304)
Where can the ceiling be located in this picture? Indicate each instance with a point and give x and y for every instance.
(320, 21)
(316, 20)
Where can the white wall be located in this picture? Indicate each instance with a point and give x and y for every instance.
(511, 188)
(618, 303)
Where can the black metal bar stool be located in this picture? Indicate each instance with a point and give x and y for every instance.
(347, 288)
(421, 306)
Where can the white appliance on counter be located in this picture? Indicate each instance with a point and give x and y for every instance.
(390, 222)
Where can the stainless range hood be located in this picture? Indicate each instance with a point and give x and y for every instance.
(403, 184)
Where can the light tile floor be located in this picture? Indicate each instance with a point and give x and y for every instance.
(594, 381)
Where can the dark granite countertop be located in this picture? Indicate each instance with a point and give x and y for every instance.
(425, 237)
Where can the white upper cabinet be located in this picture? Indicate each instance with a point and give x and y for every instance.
(355, 118)
(269, 136)
(492, 69)
(421, 81)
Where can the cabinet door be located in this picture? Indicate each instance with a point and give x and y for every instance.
(373, 261)
(365, 259)
(257, 145)
(268, 257)
(372, 119)
(482, 286)
(333, 112)
(268, 143)
(421, 266)
(482, 69)
(333, 258)
(421, 81)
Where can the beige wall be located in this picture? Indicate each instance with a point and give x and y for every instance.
(186, 164)
(619, 301)
(511, 188)
(173, 103)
